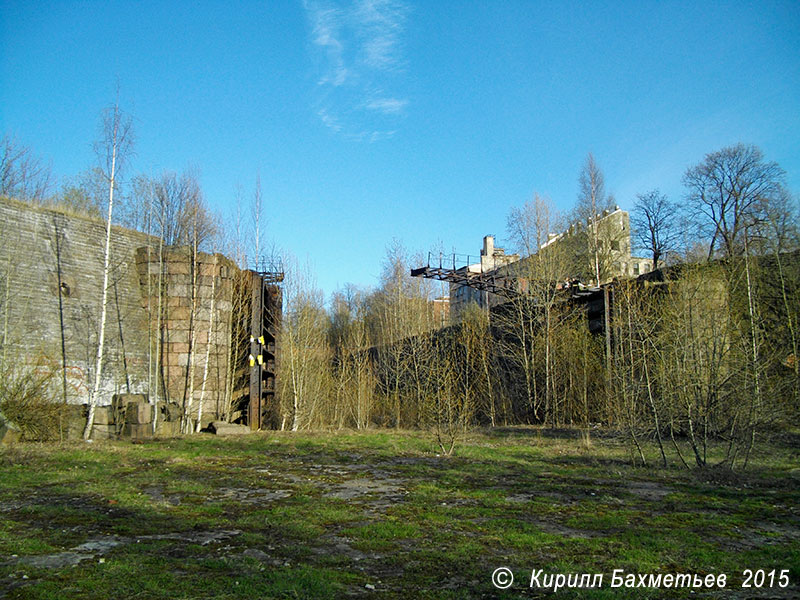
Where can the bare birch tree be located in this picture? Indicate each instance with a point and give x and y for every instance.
(304, 369)
(592, 201)
(531, 320)
(112, 149)
(209, 338)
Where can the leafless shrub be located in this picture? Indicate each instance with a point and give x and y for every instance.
(28, 399)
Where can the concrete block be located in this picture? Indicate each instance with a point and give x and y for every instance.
(138, 413)
(223, 428)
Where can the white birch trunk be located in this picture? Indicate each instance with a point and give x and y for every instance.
(193, 325)
(208, 348)
(160, 292)
(87, 433)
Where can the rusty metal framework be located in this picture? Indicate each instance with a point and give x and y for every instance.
(457, 269)
(266, 305)
(270, 270)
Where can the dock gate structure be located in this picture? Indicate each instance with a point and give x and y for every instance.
(189, 331)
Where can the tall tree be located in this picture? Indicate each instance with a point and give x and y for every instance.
(257, 211)
(532, 321)
(592, 201)
(654, 222)
(304, 379)
(353, 365)
(730, 191)
(22, 175)
(112, 148)
(180, 212)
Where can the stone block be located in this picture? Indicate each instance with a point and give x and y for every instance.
(180, 326)
(75, 421)
(9, 431)
(179, 347)
(180, 290)
(103, 415)
(179, 267)
(121, 401)
(223, 428)
(179, 313)
(169, 412)
(137, 413)
(104, 432)
(137, 431)
(175, 335)
(207, 419)
(208, 269)
(180, 279)
(168, 428)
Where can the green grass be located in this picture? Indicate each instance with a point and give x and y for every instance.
(326, 515)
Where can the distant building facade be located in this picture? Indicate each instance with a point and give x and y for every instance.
(614, 258)
(614, 248)
(492, 259)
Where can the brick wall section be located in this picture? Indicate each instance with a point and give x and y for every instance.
(188, 332)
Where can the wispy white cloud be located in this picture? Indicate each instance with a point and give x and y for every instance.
(377, 136)
(329, 121)
(326, 25)
(387, 106)
(360, 49)
(381, 23)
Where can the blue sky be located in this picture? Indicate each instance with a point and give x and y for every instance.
(426, 122)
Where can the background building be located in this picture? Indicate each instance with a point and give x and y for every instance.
(473, 282)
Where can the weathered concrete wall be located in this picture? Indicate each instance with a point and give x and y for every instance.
(51, 277)
(51, 273)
